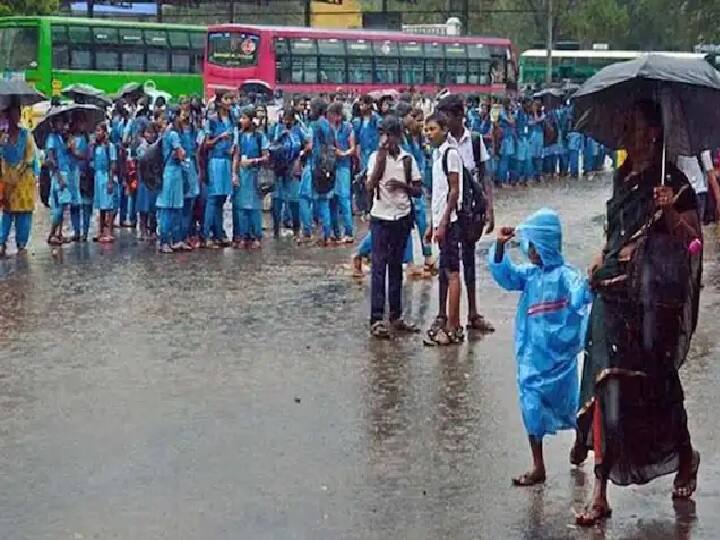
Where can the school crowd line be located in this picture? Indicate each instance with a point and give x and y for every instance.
(168, 172)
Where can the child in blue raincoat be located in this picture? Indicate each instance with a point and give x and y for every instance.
(549, 329)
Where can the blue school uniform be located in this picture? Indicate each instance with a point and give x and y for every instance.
(341, 205)
(321, 133)
(414, 148)
(102, 157)
(188, 140)
(549, 325)
(171, 199)
(367, 135)
(220, 156)
(247, 200)
(146, 197)
(522, 161)
(575, 143)
(507, 146)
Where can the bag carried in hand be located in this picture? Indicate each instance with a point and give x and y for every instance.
(324, 167)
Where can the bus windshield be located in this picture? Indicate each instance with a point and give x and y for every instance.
(18, 48)
(232, 49)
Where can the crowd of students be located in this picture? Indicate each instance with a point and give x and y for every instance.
(167, 172)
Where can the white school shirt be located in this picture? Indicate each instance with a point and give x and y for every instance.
(464, 146)
(690, 166)
(440, 184)
(392, 205)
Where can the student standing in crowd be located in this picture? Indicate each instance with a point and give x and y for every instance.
(17, 183)
(252, 152)
(444, 227)
(57, 160)
(367, 138)
(289, 137)
(219, 141)
(171, 199)
(393, 180)
(474, 156)
(345, 149)
(189, 140)
(104, 163)
(148, 185)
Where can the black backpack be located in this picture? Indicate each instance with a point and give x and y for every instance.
(324, 170)
(151, 165)
(471, 214)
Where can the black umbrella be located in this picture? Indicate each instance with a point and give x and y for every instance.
(551, 97)
(86, 94)
(687, 90)
(131, 90)
(18, 93)
(91, 115)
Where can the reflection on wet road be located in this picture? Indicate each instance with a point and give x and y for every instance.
(236, 395)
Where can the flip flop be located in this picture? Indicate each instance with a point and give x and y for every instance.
(686, 491)
(379, 330)
(592, 516)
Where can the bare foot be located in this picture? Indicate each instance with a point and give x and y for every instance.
(578, 454)
(534, 477)
(685, 482)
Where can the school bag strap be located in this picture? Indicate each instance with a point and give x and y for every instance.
(407, 168)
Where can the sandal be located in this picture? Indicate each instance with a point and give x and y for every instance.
(593, 515)
(401, 327)
(379, 330)
(478, 322)
(442, 337)
(685, 491)
(430, 268)
(54, 241)
(527, 480)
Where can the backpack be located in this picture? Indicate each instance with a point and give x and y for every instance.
(151, 165)
(471, 213)
(45, 181)
(324, 169)
(266, 177)
(550, 131)
(283, 153)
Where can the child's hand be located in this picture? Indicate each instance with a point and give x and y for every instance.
(505, 234)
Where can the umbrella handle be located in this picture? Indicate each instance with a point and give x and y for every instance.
(662, 177)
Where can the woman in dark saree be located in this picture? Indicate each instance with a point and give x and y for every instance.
(646, 282)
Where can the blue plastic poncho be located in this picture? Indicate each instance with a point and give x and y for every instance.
(549, 325)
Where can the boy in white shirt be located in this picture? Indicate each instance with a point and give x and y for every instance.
(446, 189)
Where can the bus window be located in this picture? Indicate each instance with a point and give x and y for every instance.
(157, 60)
(80, 38)
(197, 51)
(232, 49)
(360, 70)
(133, 61)
(18, 48)
(333, 70)
(179, 39)
(479, 71)
(333, 65)
(387, 70)
(106, 54)
(133, 50)
(411, 71)
(304, 69)
(180, 62)
(434, 71)
(155, 38)
(60, 47)
(457, 72)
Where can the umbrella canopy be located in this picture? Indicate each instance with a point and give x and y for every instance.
(130, 90)
(18, 92)
(86, 94)
(687, 90)
(90, 114)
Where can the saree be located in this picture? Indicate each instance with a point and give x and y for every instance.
(632, 411)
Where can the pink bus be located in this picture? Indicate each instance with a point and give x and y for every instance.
(319, 60)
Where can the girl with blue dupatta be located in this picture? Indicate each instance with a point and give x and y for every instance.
(253, 150)
(341, 204)
(171, 200)
(537, 138)
(219, 131)
(506, 122)
(17, 181)
(189, 139)
(550, 327)
(103, 161)
(79, 155)
(57, 159)
(147, 191)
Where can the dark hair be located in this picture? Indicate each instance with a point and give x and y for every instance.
(391, 125)
(402, 109)
(318, 107)
(440, 118)
(151, 128)
(336, 108)
(367, 99)
(452, 105)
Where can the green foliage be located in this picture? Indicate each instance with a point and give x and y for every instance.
(597, 21)
(28, 7)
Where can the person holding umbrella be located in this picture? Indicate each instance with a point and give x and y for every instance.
(646, 279)
(17, 196)
(58, 161)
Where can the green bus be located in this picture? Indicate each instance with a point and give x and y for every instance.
(54, 52)
(575, 66)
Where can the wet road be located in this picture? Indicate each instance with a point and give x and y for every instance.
(231, 395)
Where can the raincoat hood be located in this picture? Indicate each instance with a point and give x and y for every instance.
(543, 230)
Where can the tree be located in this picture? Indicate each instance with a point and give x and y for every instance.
(28, 7)
(598, 21)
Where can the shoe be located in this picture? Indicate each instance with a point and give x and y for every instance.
(165, 249)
